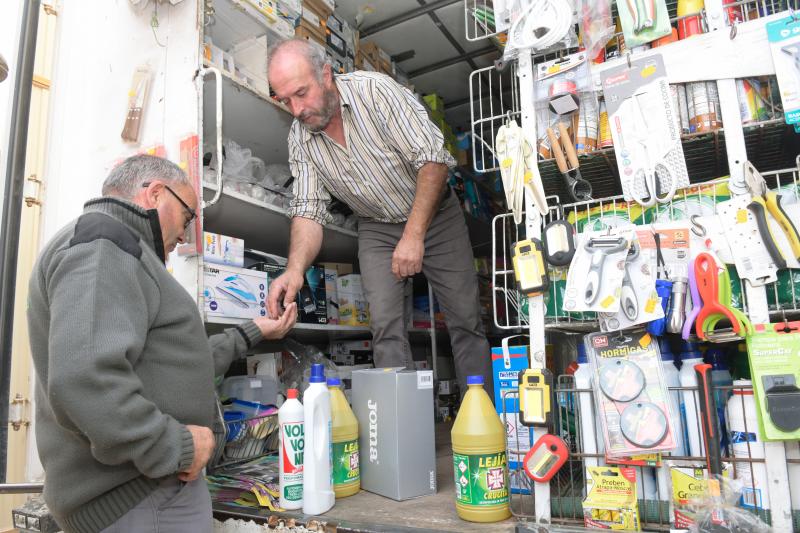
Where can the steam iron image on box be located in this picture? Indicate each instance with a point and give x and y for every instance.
(233, 296)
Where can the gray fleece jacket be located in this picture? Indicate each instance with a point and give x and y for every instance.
(122, 363)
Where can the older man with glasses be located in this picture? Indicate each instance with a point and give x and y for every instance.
(124, 369)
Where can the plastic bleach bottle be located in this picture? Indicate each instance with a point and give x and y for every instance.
(344, 435)
(671, 379)
(318, 496)
(479, 458)
(744, 442)
(290, 454)
(689, 402)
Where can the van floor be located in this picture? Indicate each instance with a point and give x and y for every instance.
(367, 512)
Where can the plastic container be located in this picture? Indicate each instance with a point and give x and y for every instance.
(344, 435)
(745, 442)
(690, 407)
(318, 496)
(671, 379)
(591, 440)
(260, 389)
(290, 453)
(479, 458)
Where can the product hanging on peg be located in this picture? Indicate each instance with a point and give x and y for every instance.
(559, 242)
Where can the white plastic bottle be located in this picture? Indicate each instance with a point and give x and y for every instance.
(720, 377)
(689, 405)
(290, 452)
(318, 496)
(744, 440)
(671, 379)
(591, 428)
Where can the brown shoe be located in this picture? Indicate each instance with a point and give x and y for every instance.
(3, 69)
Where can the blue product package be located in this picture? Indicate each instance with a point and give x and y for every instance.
(507, 363)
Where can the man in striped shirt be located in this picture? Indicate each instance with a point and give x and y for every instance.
(365, 140)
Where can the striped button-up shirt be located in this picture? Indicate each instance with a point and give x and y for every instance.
(388, 136)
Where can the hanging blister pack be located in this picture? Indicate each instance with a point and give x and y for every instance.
(647, 141)
(784, 41)
(750, 254)
(561, 81)
(639, 302)
(594, 282)
(632, 395)
(643, 21)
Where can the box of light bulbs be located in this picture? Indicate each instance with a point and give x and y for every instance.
(233, 292)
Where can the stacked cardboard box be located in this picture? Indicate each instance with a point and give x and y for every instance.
(332, 273)
(436, 106)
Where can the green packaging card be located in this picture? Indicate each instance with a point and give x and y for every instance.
(775, 369)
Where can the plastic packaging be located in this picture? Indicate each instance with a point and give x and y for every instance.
(297, 369)
(596, 25)
(479, 458)
(689, 406)
(723, 507)
(672, 379)
(344, 436)
(290, 453)
(746, 443)
(318, 495)
(539, 25)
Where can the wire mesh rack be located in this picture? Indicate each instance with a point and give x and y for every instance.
(772, 145)
(743, 462)
(510, 310)
(240, 436)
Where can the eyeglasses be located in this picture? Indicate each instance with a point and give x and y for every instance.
(189, 210)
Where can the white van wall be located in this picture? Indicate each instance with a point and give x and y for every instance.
(100, 44)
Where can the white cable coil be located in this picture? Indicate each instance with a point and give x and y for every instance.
(553, 17)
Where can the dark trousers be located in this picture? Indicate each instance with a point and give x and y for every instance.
(448, 265)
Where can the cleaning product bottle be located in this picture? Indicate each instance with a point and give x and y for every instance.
(318, 496)
(689, 400)
(479, 458)
(290, 453)
(745, 443)
(344, 435)
(671, 379)
(720, 377)
(591, 438)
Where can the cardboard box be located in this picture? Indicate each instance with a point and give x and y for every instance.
(312, 303)
(310, 33)
(434, 102)
(336, 43)
(281, 28)
(331, 294)
(611, 502)
(353, 305)
(351, 359)
(223, 250)
(290, 7)
(233, 292)
(447, 387)
(340, 268)
(335, 24)
(349, 347)
(394, 408)
(323, 7)
(506, 366)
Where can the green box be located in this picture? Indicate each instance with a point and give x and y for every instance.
(434, 102)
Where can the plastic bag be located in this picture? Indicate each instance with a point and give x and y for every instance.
(539, 26)
(297, 371)
(596, 24)
(722, 508)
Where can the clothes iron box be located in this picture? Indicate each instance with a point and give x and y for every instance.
(233, 292)
(223, 250)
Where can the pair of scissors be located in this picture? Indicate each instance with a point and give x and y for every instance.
(713, 284)
(655, 175)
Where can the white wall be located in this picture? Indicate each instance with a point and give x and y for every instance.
(10, 15)
(100, 44)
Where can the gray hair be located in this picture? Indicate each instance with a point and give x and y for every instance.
(315, 55)
(126, 179)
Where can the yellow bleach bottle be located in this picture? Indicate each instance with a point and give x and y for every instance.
(344, 436)
(479, 458)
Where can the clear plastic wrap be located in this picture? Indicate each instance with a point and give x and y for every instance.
(297, 370)
(718, 512)
(539, 26)
(596, 25)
